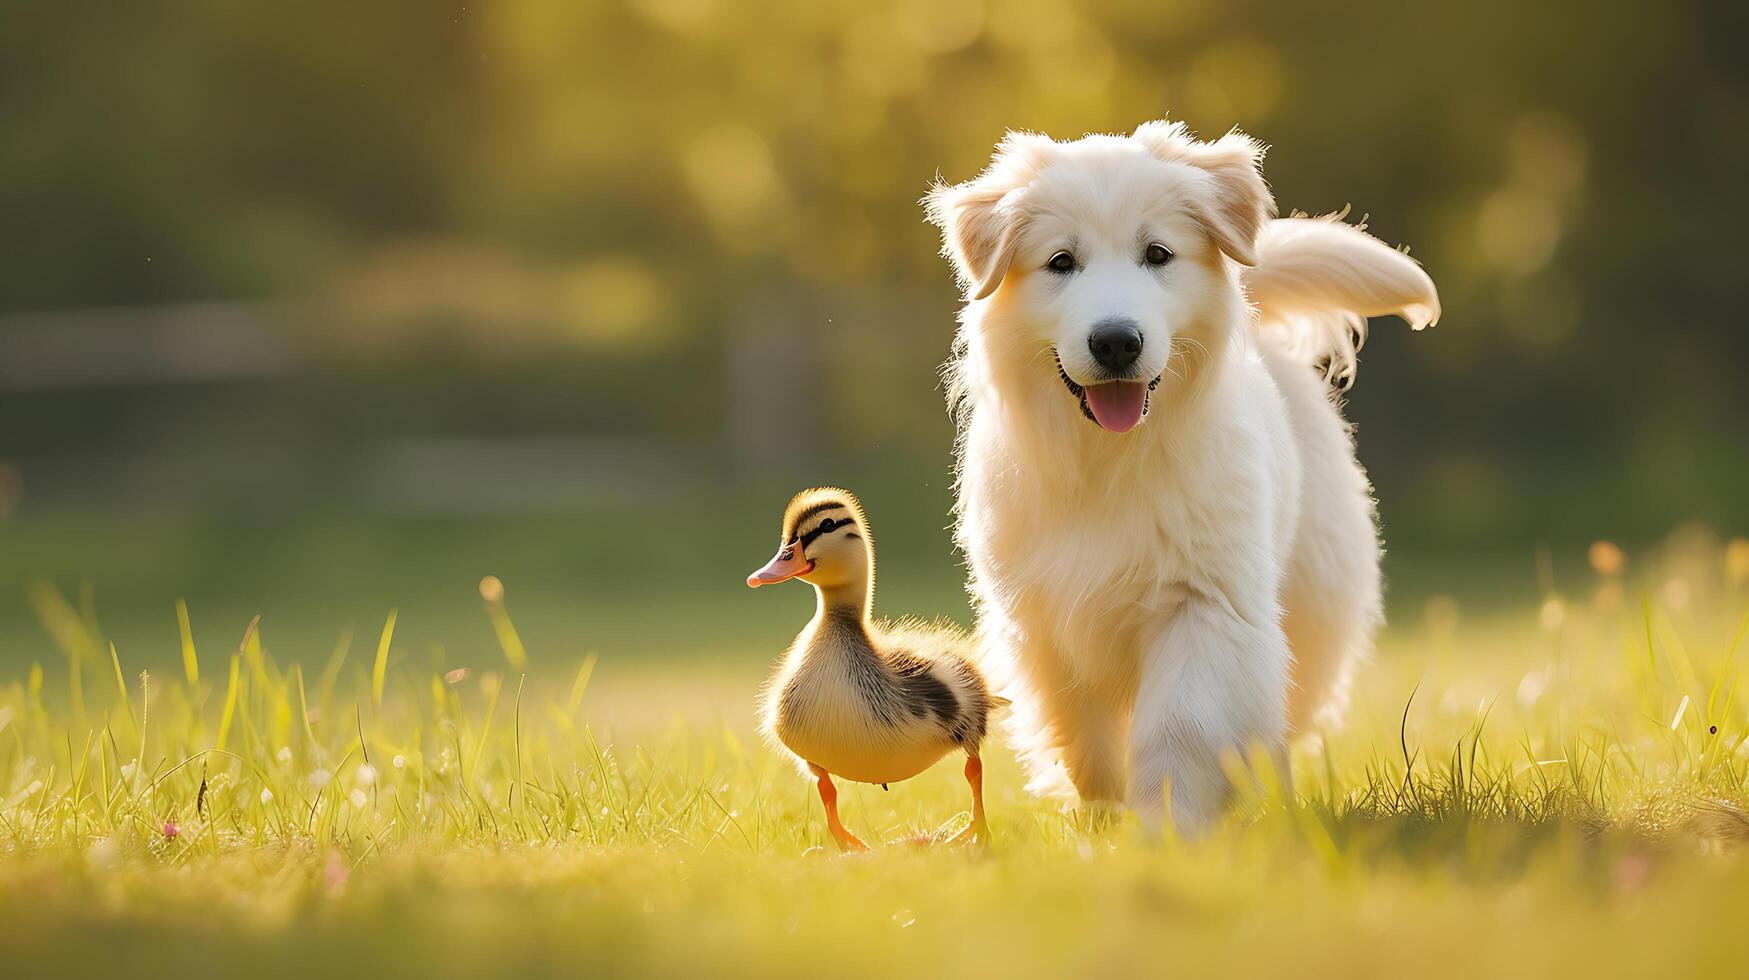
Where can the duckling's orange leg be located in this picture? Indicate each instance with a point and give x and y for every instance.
(829, 795)
(978, 829)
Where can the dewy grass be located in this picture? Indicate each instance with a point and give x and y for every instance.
(1559, 793)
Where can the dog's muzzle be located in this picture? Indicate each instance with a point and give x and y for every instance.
(1116, 406)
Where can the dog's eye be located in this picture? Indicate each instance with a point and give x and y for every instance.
(1061, 262)
(1157, 254)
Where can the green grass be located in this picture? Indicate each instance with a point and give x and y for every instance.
(1532, 794)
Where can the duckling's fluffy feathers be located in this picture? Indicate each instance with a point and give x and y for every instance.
(877, 702)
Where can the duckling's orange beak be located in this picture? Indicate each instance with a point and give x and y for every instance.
(789, 562)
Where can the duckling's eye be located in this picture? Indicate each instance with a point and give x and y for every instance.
(1063, 262)
(1157, 254)
(827, 525)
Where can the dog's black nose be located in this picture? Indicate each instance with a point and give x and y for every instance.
(1116, 343)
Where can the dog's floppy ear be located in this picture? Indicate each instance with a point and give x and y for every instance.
(978, 232)
(1241, 201)
(981, 219)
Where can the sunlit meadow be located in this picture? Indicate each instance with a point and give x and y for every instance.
(1552, 788)
(322, 310)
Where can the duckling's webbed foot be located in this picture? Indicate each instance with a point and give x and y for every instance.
(829, 796)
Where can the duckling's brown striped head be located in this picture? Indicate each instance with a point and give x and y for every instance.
(824, 542)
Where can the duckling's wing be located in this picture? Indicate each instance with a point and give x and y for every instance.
(948, 654)
(921, 685)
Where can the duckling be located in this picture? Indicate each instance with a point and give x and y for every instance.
(867, 701)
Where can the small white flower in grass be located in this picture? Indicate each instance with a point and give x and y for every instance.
(359, 799)
(284, 755)
(320, 777)
(400, 762)
(266, 795)
(366, 776)
(127, 770)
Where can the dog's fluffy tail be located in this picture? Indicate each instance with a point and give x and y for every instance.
(1318, 279)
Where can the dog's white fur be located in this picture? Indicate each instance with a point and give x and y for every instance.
(1208, 581)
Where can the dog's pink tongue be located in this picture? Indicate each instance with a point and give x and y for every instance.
(1117, 405)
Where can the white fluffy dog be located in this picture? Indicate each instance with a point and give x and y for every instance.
(1170, 540)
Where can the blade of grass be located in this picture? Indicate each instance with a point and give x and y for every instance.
(121, 688)
(580, 685)
(190, 662)
(304, 709)
(516, 740)
(492, 591)
(230, 702)
(380, 670)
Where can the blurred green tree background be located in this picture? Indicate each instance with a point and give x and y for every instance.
(320, 308)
